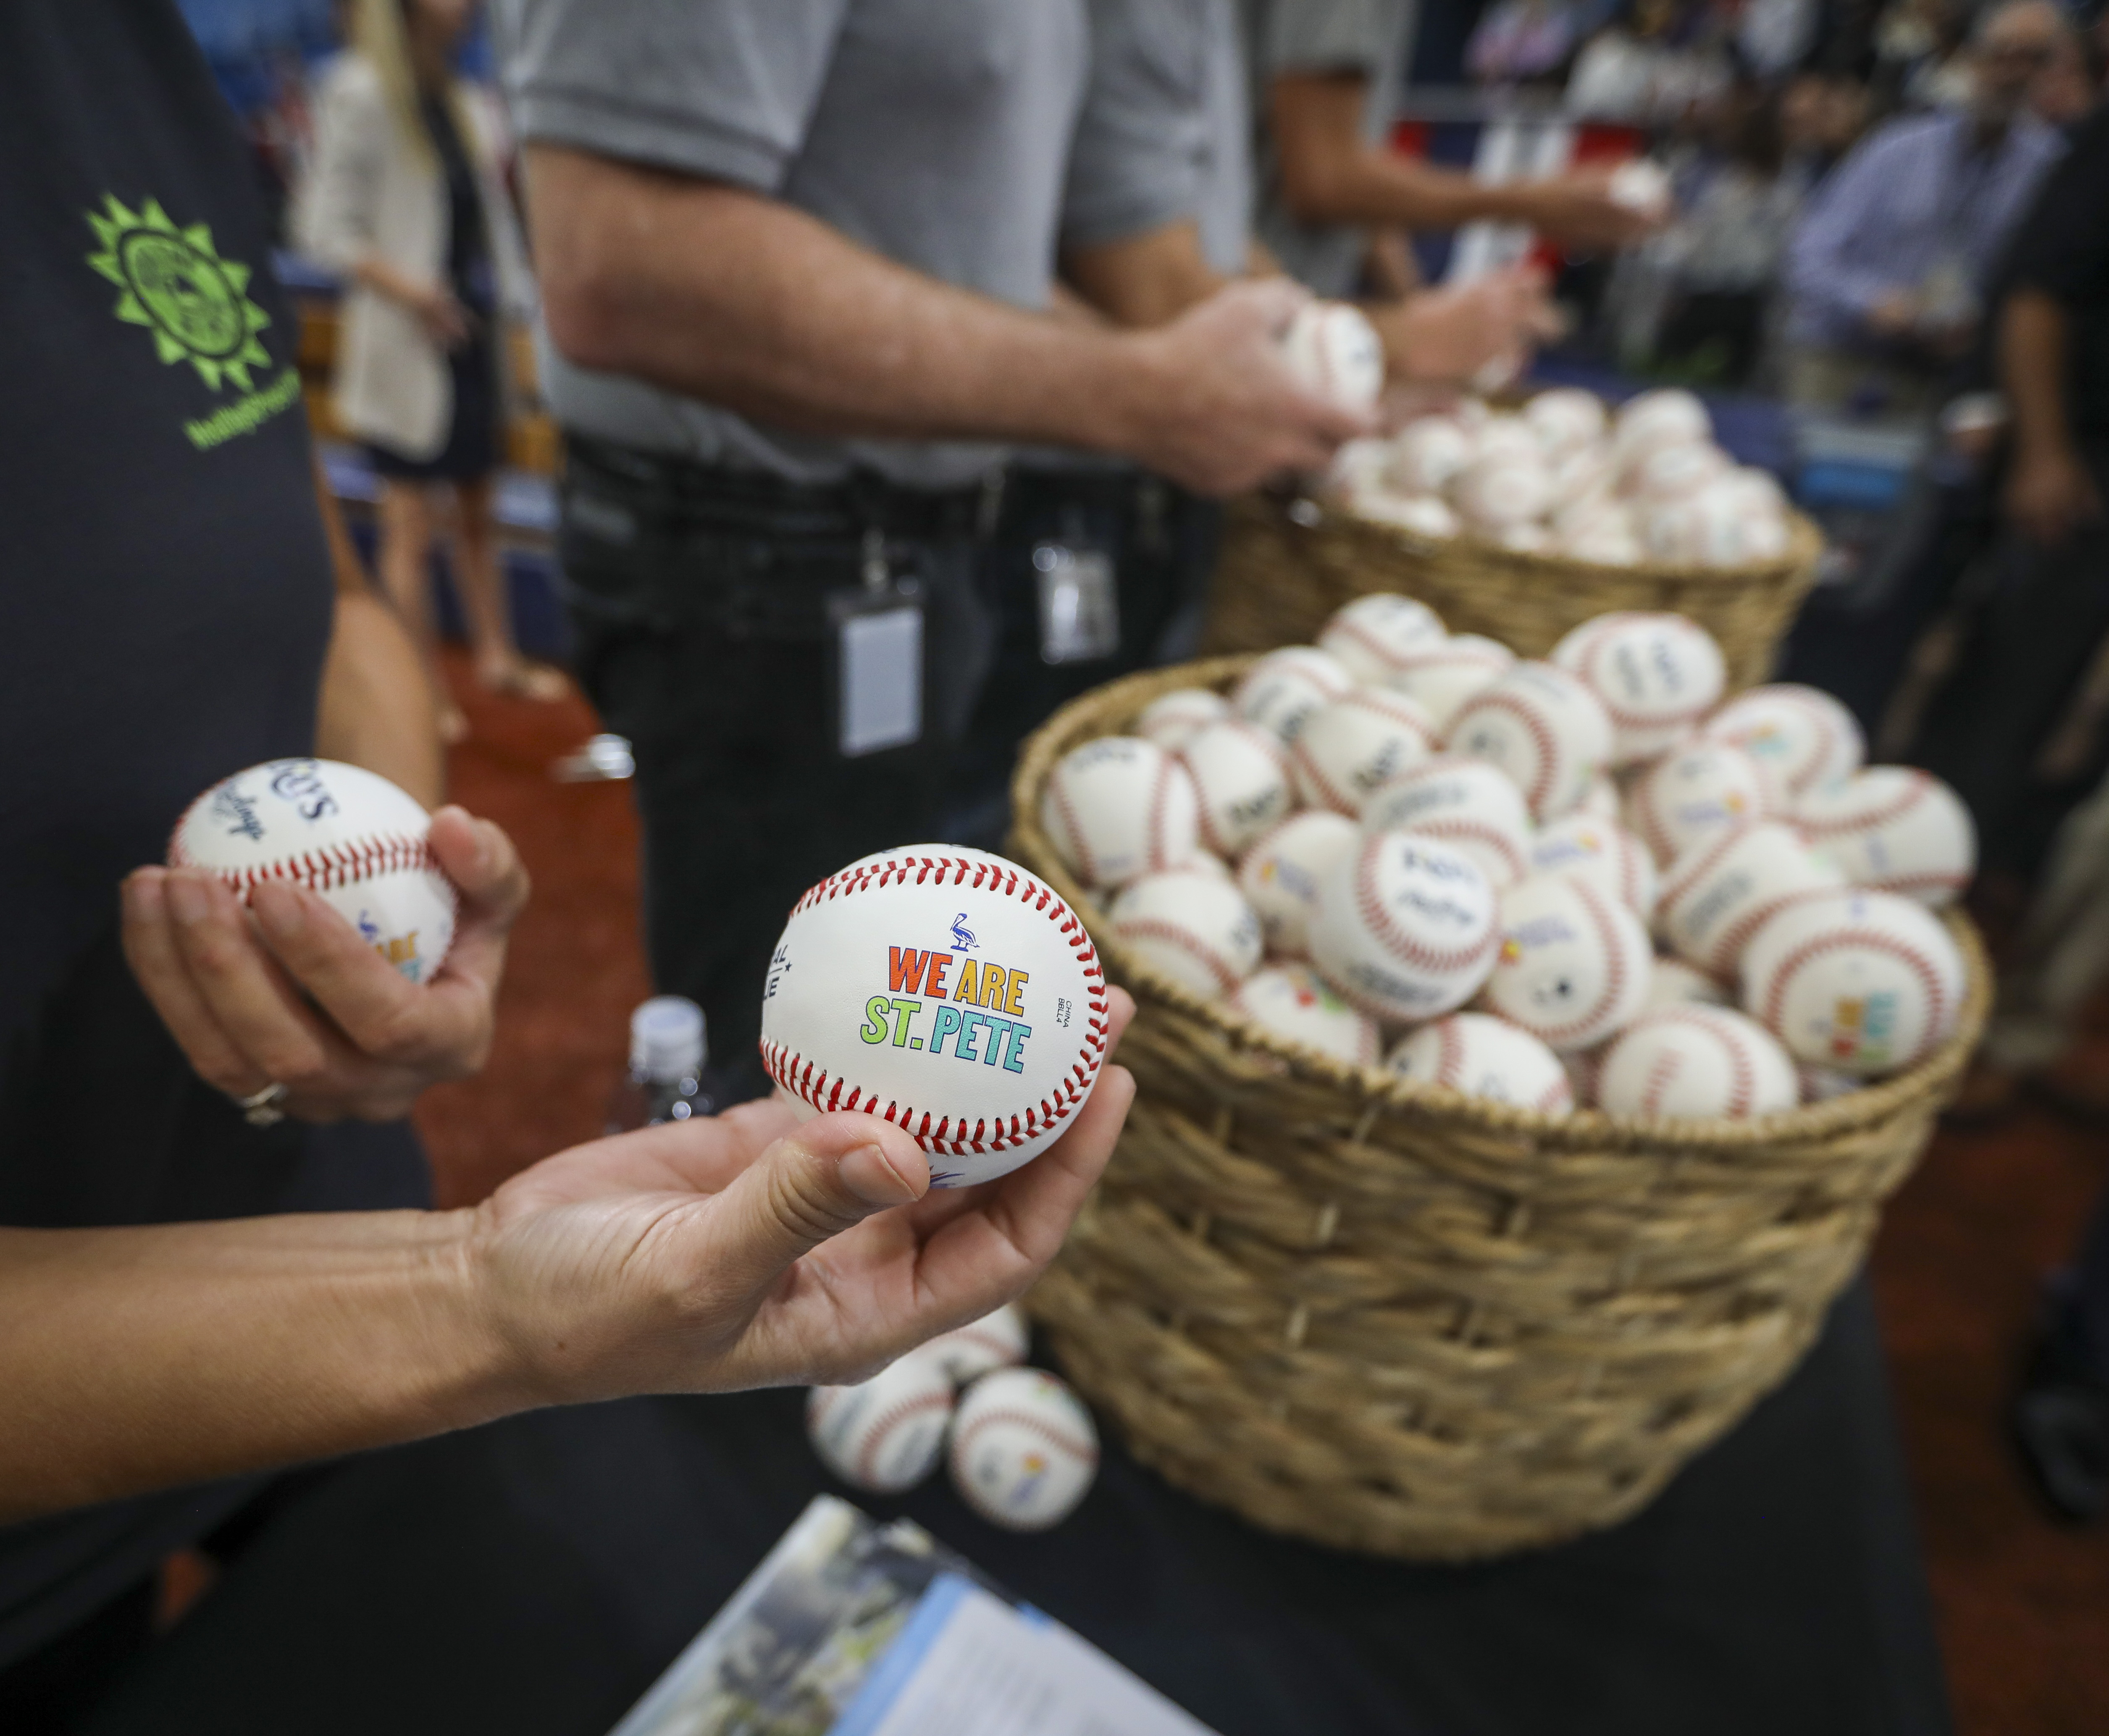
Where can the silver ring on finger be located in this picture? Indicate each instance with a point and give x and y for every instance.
(260, 1108)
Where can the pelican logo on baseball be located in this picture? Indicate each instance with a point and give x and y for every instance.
(914, 977)
(1864, 1027)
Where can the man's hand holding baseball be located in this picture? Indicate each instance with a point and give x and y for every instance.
(286, 993)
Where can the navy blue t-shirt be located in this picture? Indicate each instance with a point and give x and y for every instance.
(165, 601)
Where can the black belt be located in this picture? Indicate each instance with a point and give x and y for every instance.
(752, 502)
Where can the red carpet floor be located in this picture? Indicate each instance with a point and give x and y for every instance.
(2023, 1607)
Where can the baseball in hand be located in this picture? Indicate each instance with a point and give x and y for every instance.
(1023, 1451)
(1333, 350)
(346, 833)
(946, 991)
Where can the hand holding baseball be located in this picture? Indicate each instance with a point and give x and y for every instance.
(1215, 406)
(297, 997)
(752, 1250)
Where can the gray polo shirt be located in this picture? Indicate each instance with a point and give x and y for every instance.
(1371, 37)
(934, 132)
(1170, 83)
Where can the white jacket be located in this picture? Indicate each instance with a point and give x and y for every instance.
(370, 193)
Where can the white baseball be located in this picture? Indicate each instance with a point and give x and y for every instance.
(1582, 491)
(1721, 892)
(1676, 472)
(1698, 1062)
(1423, 515)
(1345, 752)
(1205, 862)
(1526, 538)
(1500, 489)
(1603, 540)
(1608, 857)
(1280, 876)
(1697, 792)
(1657, 675)
(344, 833)
(1485, 1057)
(1566, 420)
(1334, 350)
(1542, 727)
(1466, 802)
(1721, 526)
(1406, 927)
(1802, 735)
(1427, 454)
(1675, 983)
(1503, 436)
(886, 1434)
(1197, 931)
(1442, 677)
(1023, 1450)
(1358, 466)
(1640, 185)
(1171, 719)
(947, 991)
(967, 1353)
(1895, 830)
(1573, 963)
(1863, 983)
(1281, 691)
(1243, 783)
(1667, 417)
(1119, 807)
(1294, 1003)
(1373, 634)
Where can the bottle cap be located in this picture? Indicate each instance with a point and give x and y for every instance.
(666, 1038)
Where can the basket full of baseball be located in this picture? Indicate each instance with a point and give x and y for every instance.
(1526, 1051)
(1519, 527)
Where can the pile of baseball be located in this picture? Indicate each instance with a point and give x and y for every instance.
(1019, 1444)
(1584, 881)
(1563, 478)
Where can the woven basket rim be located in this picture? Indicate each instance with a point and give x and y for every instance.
(1381, 1093)
(1804, 546)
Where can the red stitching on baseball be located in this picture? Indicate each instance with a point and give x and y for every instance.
(1729, 1038)
(1837, 940)
(1083, 1451)
(1465, 826)
(1614, 971)
(1449, 1053)
(1086, 862)
(1662, 1074)
(1547, 746)
(1830, 736)
(883, 1424)
(1395, 940)
(1869, 820)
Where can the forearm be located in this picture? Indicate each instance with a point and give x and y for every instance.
(742, 302)
(2033, 346)
(377, 708)
(1145, 280)
(142, 1358)
(377, 274)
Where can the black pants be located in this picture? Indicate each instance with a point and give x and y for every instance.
(2030, 643)
(701, 606)
(533, 1577)
(1162, 542)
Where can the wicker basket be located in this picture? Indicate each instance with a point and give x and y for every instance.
(1384, 1316)
(1287, 565)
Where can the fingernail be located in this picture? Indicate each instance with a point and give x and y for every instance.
(876, 1179)
(188, 900)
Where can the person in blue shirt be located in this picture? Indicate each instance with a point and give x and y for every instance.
(1886, 273)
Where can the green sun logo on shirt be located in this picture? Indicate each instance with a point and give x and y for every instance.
(174, 282)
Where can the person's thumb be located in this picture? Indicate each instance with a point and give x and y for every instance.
(826, 1176)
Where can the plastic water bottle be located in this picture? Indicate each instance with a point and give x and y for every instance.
(666, 1054)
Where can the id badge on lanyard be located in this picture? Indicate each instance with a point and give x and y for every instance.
(1079, 602)
(878, 636)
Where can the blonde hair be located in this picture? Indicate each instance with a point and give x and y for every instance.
(379, 34)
